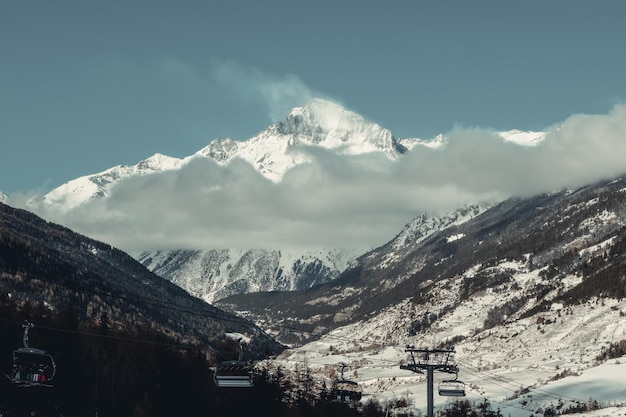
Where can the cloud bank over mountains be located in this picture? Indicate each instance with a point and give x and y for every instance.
(355, 201)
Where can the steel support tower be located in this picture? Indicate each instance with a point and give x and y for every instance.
(430, 360)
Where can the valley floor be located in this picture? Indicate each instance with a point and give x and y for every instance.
(528, 367)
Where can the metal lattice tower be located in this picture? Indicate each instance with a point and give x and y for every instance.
(430, 360)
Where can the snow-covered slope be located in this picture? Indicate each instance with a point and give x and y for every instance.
(272, 152)
(215, 274)
(80, 190)
(523, 367)
(320, 123)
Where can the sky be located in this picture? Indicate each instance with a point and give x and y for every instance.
(85, 86)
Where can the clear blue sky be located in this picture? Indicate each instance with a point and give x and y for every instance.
(86, 85)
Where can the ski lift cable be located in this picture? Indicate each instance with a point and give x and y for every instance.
(492, 376)
(495, 377)
(225, 317)
(218, 315)
(104, 336)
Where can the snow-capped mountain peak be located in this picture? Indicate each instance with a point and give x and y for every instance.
(75, 192)
(328, 124)
(327, 116)
(318, 123)
(274, 151)
(434, 143)
(158, 162)
(524, 138)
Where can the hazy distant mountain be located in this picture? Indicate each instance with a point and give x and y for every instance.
(216, 274)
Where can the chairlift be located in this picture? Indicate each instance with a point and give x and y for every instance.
(31, 366)
(234, 373)
(345, 390)
(452, 388)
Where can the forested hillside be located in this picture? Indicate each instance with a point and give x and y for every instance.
(122, 338)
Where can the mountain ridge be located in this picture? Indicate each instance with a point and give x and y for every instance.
(272, 152)
(509, 231)
(219, 272)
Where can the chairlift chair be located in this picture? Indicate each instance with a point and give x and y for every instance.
(31, 366)
(234, 374)
(345, 390)
(452, 388)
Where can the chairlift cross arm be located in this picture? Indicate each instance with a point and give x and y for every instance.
(435, 359)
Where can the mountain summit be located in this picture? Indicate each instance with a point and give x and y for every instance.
(318, 123)
(330, 125)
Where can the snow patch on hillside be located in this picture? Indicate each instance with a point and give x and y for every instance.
(523, 366)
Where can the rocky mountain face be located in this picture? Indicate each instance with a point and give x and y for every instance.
(319, 123)
(215, 274)
(571, 242)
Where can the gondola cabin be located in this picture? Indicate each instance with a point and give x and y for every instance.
(234, 374)
(452, 388)
(346, 391)
(32, 367)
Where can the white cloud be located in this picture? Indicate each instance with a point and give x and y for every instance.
(278, 94)
(347, 201)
